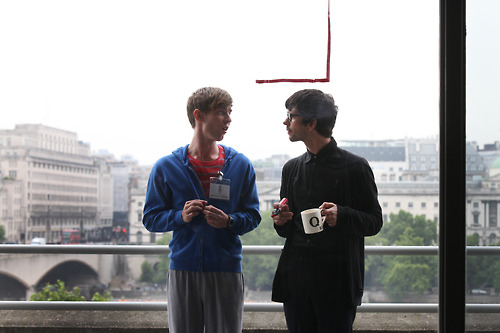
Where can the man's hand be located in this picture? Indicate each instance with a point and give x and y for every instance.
(215, 217)
(284, 216)
(329, 211)
(191, 209)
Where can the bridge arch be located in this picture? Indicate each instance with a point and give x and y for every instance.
(12, 288)
(74, 273)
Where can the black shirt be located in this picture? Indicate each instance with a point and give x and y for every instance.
(338, 176)
(317, 179)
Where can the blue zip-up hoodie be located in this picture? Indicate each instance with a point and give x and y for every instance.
(196, 246)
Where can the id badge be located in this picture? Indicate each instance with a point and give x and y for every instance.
(219, 187)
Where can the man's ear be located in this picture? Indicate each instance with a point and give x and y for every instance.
(312, 124)
(198, 115)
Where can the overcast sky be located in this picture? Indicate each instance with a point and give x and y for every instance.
(118, 72)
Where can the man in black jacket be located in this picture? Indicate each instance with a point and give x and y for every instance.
(320, 276)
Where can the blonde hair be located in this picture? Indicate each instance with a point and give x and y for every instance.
(207, 99)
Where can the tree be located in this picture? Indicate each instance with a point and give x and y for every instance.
(473, 240)
(106, 297)
(58, 292)
(482, 271)
(404, 223)
(495, 274)
(161, 268)
(2, 234)
(147, 272)
(259, 269)
(157, 273)
(405, 274)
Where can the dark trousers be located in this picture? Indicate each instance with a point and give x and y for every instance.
(307, 317)
(318, 301)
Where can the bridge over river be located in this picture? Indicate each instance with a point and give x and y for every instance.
(22, 274)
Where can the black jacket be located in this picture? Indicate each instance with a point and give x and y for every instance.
(338, 176)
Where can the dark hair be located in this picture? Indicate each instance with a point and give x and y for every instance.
(207, 99)
(314, 104)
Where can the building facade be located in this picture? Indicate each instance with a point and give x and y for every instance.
(52, 187)
(415, 188)
(483, 205)
(138, 184)
(59, 184)
(12, 212)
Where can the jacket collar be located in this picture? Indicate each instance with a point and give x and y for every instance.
(324, 153)
(181, 153)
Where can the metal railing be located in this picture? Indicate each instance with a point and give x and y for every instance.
(249, 306)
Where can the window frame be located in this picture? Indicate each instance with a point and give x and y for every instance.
(452, 193)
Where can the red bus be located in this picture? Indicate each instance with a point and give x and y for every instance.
(70, 236)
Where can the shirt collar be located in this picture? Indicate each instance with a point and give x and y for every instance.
(324, 152)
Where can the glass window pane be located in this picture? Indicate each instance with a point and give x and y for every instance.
(130, 72)
(483, 160)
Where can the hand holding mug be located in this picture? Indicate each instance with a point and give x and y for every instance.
(330, 212)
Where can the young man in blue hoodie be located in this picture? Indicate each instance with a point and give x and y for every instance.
(206, 194)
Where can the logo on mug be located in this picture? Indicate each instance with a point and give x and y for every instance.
(314, 222)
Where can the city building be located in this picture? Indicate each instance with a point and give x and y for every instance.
(120, 172)
(105, 199)
(270, 167)
(387, 158)
(412, 185)
(52, 187)
(138, 184)
(482, 209)
(59, 184)
(11, 210)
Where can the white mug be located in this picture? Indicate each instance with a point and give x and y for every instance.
(312, 220)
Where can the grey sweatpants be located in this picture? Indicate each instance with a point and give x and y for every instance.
(208, 302)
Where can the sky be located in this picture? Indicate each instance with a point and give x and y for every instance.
(119, 72)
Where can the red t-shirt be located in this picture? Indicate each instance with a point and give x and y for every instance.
(206, 169)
